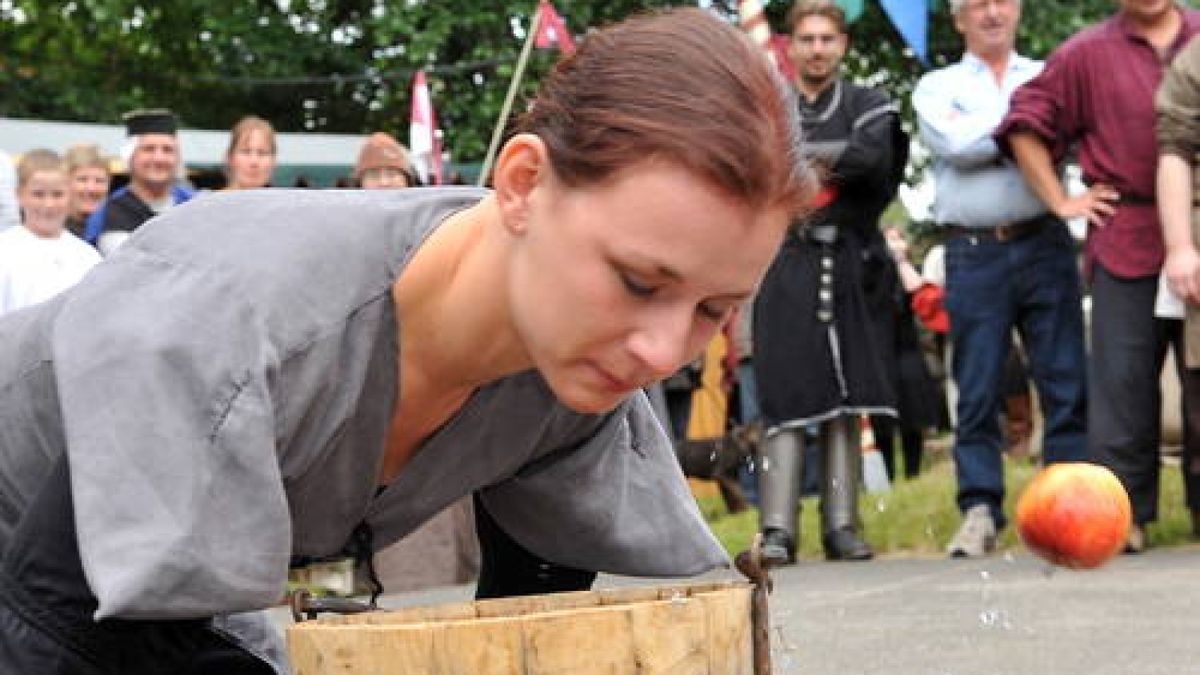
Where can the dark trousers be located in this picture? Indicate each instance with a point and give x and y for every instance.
(507, 568)
(1190, 462)
(992, 287)
(46, 608)
(912, 445)
(1129, 346)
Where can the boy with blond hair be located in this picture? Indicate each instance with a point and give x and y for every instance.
(39, 258)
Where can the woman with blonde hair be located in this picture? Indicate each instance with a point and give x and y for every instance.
(88, 179)
(250, 159)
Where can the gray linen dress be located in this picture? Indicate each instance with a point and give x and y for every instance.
(223, 385)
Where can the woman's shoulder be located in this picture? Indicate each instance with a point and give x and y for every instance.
(285, 221)
(332, 242)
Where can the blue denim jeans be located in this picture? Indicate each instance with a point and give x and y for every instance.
(1032, 285)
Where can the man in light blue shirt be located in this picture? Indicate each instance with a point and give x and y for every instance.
(1009, 264)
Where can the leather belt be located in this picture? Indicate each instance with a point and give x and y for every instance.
(1002, 233)
(1128, 200)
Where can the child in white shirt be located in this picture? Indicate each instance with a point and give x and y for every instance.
(40, 259)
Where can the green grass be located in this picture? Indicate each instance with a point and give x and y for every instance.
(918, 517)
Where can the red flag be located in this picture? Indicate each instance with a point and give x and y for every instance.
(423, 141)
(779, 48)
(753, 20)
(552, 30)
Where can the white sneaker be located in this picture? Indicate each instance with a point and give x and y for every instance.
(976, 536)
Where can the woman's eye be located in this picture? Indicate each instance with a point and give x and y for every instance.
(712, 312)
(635, 286)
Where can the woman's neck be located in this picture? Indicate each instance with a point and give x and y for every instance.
(455, 328)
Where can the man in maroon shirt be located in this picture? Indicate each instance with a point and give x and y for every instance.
(1097, 94)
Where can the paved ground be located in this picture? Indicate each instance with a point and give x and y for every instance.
(1140, 615)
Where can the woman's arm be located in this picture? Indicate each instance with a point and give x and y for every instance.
(175, 480)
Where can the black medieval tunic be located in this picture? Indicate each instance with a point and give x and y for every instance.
(824, 317)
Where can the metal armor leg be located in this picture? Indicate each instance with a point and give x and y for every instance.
(780, 473)
(840, 523)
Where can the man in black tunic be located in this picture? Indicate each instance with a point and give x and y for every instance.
(153, 166)
(821, 318)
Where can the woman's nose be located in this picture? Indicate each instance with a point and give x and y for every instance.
(662, 344)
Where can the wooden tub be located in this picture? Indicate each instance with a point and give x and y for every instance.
(676, 630)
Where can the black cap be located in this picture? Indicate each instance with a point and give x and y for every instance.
(156, 121)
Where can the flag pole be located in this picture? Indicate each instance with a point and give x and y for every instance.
(498, 131)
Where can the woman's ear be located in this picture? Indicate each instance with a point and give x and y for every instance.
(520, 167)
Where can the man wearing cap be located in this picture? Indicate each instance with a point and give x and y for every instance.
(151, 190)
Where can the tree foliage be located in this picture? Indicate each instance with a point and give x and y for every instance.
(346, 65)
(319, 65)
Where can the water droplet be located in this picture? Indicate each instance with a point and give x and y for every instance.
(782, 642)
(995, 618)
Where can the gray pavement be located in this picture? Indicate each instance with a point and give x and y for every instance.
(1139, 615)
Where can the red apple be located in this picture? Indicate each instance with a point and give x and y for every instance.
(1074, 514)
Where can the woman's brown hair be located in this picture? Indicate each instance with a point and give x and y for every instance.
(681, 86)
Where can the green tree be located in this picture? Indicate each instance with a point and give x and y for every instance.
(346, 65)
(318, 65)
